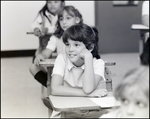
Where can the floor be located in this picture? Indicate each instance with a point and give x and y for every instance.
(21, 94)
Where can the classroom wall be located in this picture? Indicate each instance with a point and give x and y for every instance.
(17, 16)
(114, 25)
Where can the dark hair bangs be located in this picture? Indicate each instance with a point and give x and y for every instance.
(76, 33)
(71, 34)
(68, 12)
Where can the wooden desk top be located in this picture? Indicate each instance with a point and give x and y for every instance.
(33, 33)
(72, 103)
(139, 27)
(61, 103)
(48, 62)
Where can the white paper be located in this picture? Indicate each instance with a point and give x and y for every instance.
(106, 102)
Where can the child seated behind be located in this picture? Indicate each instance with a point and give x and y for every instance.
(133, 93)
(45, 23)
(67, 17)
(80, 71)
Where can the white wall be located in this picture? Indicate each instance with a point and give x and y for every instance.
(17, 17)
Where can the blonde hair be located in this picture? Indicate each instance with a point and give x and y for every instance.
(136, 77)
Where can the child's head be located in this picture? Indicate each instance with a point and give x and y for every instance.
(54, 7)
(67, 17)
(81, 36)
(133, 92)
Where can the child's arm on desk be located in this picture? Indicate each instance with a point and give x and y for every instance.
(50, 48)
(91, 80)
(60, 90)
(44, 55)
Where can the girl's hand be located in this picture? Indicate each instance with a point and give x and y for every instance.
(85, 54)
(40, 33)
(98, 93)
(38, 59)
(37, 32)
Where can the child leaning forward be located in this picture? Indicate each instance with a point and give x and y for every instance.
(80, 71)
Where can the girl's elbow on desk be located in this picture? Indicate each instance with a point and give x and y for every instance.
(87, 90)
(54, 91)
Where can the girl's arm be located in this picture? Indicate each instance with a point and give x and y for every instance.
(58, 89)
(46, 53)
(91, 80)
(37, 23)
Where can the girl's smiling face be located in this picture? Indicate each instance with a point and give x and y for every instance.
(134, 105)
(54, 6)
(68, 20)
(73, 50)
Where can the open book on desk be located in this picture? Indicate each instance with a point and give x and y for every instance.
(106, 102)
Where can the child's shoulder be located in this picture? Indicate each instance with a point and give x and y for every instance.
(60, 60)
(55, 37)
(98, 61)
(61, 57)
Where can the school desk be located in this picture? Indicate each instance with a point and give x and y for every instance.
(71, 104)
(142, 29)
(49, 64)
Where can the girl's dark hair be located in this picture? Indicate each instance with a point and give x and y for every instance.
(85, 34)
(72, 11)
(43, 10)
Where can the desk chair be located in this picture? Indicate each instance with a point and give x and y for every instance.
(142, 29)
(49, 63)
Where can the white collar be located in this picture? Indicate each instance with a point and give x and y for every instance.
(70, 65)
(49, 14)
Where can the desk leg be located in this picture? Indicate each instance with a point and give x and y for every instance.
(49, 72)
(42, 92)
